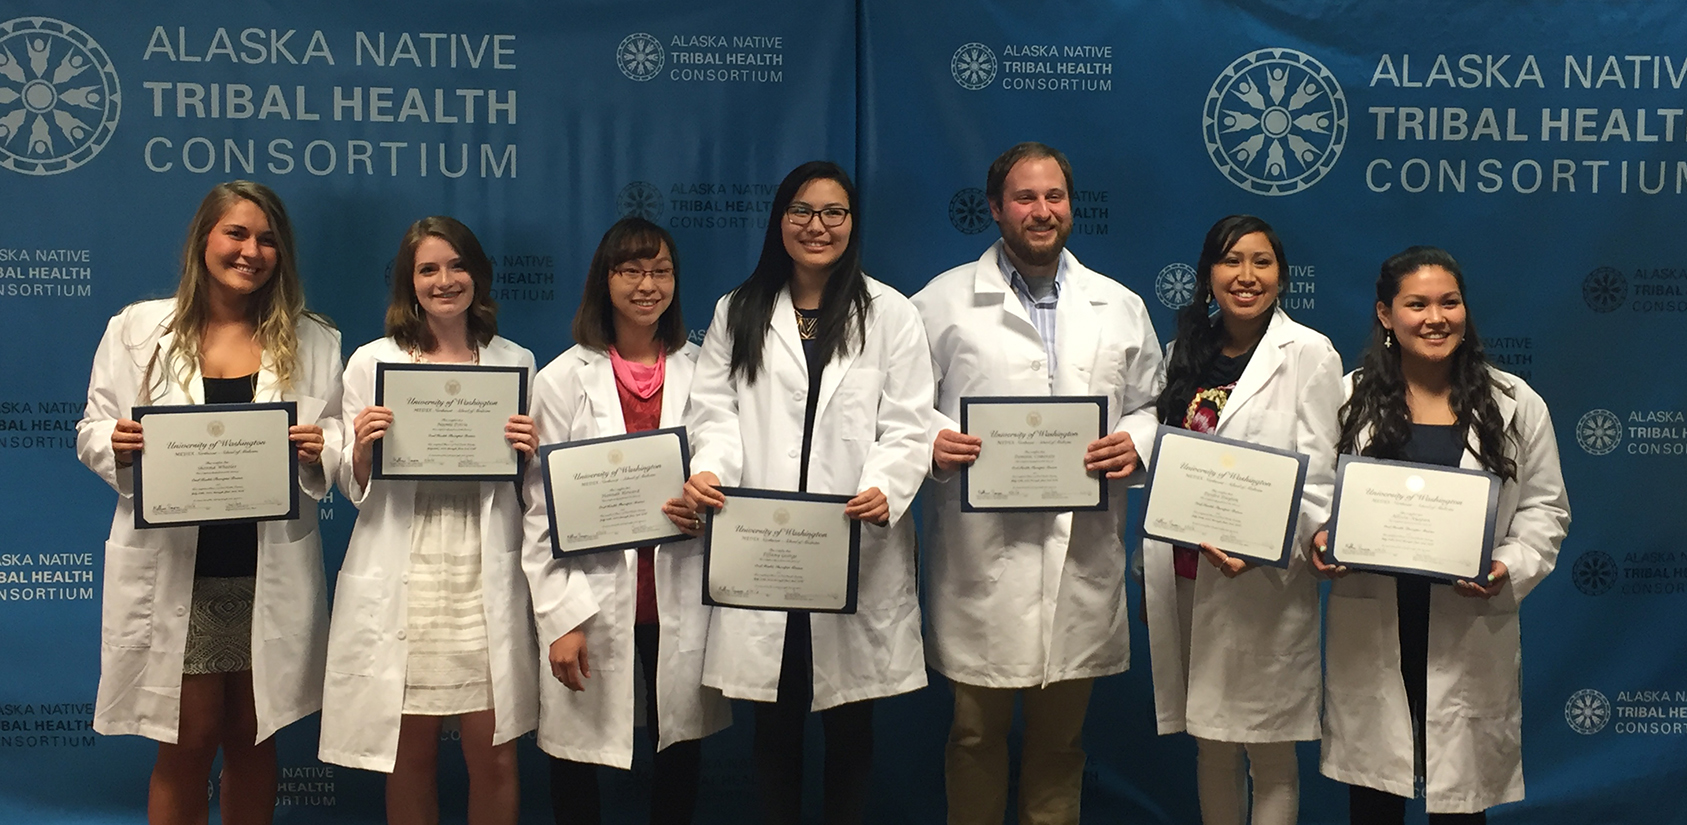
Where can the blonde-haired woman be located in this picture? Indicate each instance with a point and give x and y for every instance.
(213, 637)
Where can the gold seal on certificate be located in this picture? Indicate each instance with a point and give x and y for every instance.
(1032, 458)
(1424, 519)
(216, 463)
(776, 550)
(607, 493)
(448, 421)
(1241, 498)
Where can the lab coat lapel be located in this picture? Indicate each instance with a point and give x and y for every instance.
(165, 378)
(677, 374)
(989, 285)
(597, 375)
(1076, 333)
(1267, 359)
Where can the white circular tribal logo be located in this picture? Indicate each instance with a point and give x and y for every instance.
(969, 211)
(639, 198)
(1599, 431)
(1175, 285)
(640, 56)
(59, 96)
(1275, 121)
(973, 66)
(1587, 712)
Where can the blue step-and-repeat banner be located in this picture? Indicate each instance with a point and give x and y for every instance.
(1544, 144)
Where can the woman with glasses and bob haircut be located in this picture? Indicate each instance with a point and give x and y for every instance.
(431, 617)
(816, 378)
(1425, 392)
(1234, 645)
(629, 371)
(212, 637)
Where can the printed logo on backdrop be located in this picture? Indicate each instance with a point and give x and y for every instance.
(1034, 67)
(1594, 573)
(1599, 432)
(639, 198)
(1275, 121)
(698, 204)
(1587, 712)
(1631, 712)
(59, 96)
(41, 424)
(1513, 353)
(702, 58)
(969, 211)
(1175, 285)
(640, 56)
(48, 724)
(1644, 290)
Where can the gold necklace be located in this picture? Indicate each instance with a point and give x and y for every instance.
(808, 328)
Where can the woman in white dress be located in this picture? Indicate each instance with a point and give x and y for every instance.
(431, 616)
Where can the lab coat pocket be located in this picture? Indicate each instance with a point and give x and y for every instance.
(131, 586)
(1483, 655)
(365, 611)
(291, 580)
(1353, 657)
(857, 405)
(607, 630)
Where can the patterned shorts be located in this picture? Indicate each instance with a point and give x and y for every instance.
(219, 630)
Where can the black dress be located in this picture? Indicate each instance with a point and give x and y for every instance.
(225, 569)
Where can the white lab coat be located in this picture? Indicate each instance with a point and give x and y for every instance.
(363, 697)
(574, 399)
(1254, 672)
(1026, 599)
(1474, 725)
(870, 430)
(149, 573)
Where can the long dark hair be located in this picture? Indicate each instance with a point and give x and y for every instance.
(1200, 335)
(750, 310)
(1378, 402)
(406, 323)
(630, 239)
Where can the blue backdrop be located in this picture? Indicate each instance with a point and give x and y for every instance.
(1545, 145)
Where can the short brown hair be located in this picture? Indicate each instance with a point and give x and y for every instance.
(630, 239)
(405, 323)
(996, 180)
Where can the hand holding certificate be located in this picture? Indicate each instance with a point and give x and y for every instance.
(773, 550)
(448, 421)
(1423, 519)
(221, 463)
(1240, 498)
(607, 493)
(1032, 455)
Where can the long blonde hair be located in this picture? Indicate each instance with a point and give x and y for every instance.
(274, 309)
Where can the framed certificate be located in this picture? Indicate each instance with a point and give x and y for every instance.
(777, 550)
(1242, 498)
(1032, 459)
(607, 493)
(1424, 519)
(448, 421)
(216, 464)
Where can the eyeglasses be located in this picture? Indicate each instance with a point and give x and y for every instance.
(634, 275)
(799, 214)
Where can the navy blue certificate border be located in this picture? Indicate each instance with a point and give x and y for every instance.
(545, 451)
(1282, 561)
(1479, 577)
(380, 471)
(853, 591)
(1101, 429)
(139, 413)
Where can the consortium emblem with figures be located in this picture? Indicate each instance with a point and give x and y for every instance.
(640, 56)
(59, 96)
(1275, 121)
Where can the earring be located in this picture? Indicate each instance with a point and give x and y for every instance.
(1388, 339)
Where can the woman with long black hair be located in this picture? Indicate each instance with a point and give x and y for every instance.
(1235, 646)
(816, 378)
(1422, 679)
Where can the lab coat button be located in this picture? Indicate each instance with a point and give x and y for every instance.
(793, 453)
(181, 611)
(1036, 366)
(400, 635)
(797, 396)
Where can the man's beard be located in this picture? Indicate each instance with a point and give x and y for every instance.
(1029, 256)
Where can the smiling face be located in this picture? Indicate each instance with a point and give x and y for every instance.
(444, 287)
(1035, 214)
(240, 251)
(641, 289)
(813, 246)
(1246, 279)
(1427, 315)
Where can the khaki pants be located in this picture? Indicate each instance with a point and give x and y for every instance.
(1051, 763)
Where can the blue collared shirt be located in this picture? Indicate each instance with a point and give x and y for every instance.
(1041, 310)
